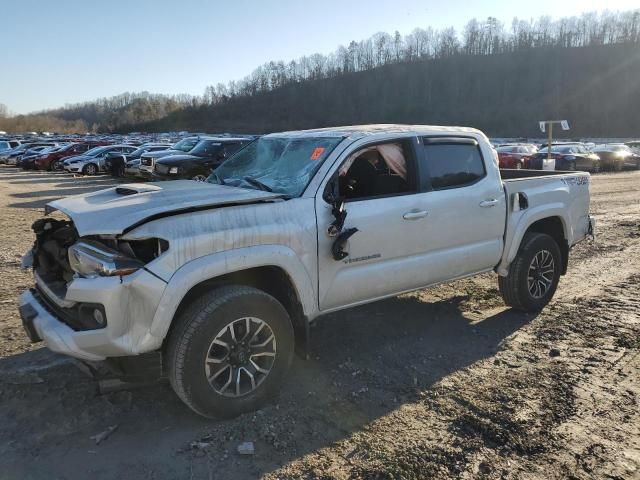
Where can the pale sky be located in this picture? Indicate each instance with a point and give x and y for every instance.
(67, 51)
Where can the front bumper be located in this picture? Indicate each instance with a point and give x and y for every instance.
(131, 171)
(145, 174)
(130, 304)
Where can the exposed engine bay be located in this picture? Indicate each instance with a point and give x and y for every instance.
(50, 250)
(55, 237)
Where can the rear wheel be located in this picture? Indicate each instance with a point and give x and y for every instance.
(617, 166)
(519, 165)
(57, 166)
(199, 178)
(534, 273)
(596, 167)
(90, 169)
(571, 166)
(230, 351)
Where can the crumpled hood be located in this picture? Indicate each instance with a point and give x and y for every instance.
(114, 210)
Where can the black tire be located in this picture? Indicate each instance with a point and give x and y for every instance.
(191, 339)
(90, 169)
(596, 167)
(515, 286)
(571, 166)
(617, 166)
(519, 165)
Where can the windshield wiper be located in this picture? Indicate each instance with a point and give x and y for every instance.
(258, 183)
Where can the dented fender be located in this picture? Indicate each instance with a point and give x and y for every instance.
(211, 266)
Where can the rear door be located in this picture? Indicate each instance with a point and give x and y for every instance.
(466, 204)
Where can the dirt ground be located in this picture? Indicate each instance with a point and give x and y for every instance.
(441, 383)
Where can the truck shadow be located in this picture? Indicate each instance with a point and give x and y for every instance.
(365, 362)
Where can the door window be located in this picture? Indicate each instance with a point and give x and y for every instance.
(453, 164)
(377, 171)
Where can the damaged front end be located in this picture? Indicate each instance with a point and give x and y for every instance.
(59, 256)
(88, 289)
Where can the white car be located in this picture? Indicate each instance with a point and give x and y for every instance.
(93, 161)
(215, 283)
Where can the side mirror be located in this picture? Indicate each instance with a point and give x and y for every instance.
(340, 215)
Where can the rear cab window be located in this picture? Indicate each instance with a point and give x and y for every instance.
(452, 162)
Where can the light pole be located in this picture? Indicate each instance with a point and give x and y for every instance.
(548, 126)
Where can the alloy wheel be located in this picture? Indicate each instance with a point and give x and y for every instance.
(240, 357)
(199, 178)
(541, 272)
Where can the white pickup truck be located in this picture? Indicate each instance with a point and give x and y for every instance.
(217, 281)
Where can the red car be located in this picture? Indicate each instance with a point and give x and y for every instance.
(515, 156)
(53, 160)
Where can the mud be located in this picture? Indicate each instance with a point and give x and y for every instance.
(441, 383)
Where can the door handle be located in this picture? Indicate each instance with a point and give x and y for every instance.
(415, 215)
(492, 202)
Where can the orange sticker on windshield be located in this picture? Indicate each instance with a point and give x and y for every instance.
(317, 153)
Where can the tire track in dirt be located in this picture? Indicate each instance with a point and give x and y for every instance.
(441, 383)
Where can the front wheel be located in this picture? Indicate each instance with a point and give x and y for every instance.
(534, 273)
(230, 351)
(90, 169)
(199, 178)
(596, 167)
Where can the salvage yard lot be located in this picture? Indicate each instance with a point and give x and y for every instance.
(441, 383)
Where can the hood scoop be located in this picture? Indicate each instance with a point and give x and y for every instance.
(135, 188)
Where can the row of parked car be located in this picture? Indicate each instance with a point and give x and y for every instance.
(570, 156)
(194, 157)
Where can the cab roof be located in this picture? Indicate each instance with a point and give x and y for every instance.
(359, 131)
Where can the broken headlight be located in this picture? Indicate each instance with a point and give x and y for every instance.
(91, 259)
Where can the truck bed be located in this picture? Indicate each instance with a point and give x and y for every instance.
(537, 194)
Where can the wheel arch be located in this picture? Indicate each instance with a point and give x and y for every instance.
(554, 227)
(551, 223)
(283, 276)
(271, 279)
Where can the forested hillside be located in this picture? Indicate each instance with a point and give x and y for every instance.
(503, 80)
(596, 88)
